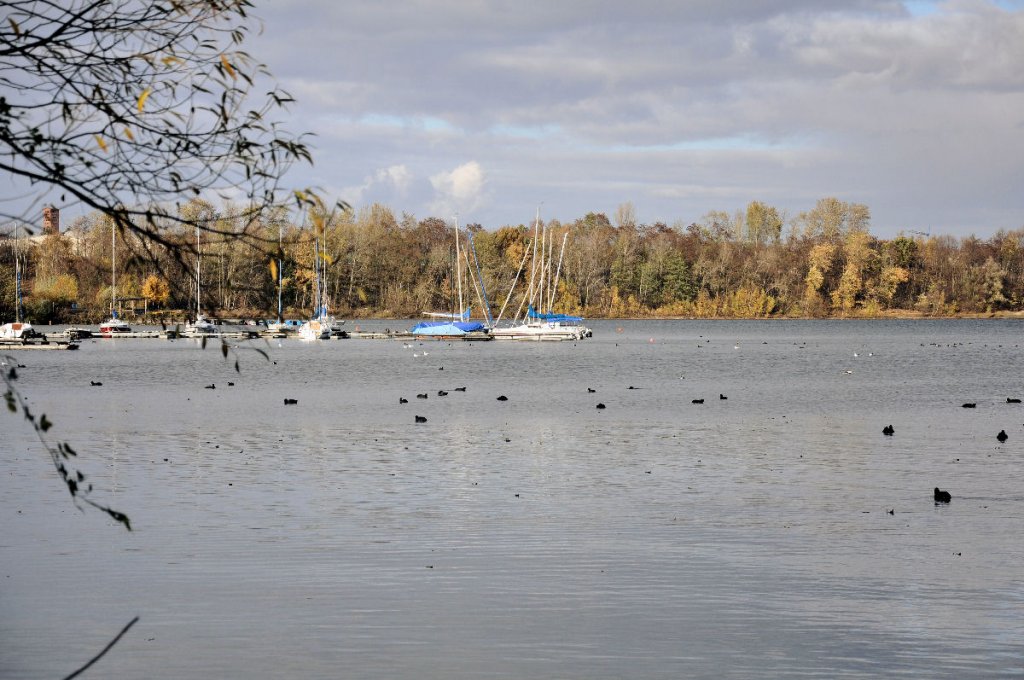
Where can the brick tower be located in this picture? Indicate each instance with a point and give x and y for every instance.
(51, 220)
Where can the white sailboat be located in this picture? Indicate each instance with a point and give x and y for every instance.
(202, 326)
(17, 331)
(319, 326)
(113, 326)
(280, 325)
(541, 325)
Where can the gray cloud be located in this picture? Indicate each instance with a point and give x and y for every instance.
(680, 109)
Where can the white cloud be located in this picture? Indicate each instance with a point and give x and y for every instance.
(460, 190)
(391, 182)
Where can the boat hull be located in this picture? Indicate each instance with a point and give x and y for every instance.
(541, 332)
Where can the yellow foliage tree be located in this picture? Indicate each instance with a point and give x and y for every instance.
(889, 280)
(750, 302)
(63, 288)
(820, 261)
(857, 249)
(155, 289)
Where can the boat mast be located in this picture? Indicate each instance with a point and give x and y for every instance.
(323, 278)
(316, 273)
(533, 262)
(551, 258)
(17, 275)
(458, 267)
(199, 259)
(558, 271)
(280, 238)
(113, 272)
(485, 303)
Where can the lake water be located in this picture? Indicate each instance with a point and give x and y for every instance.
(537, 537)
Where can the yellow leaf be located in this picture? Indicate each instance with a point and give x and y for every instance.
(227, 66)
(273, 269)
(143, 97)
(14, 26)
(101, 142)
(171, 61)
(129, 135)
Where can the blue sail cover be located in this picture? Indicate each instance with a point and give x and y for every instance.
(534, 314)
(446, 327)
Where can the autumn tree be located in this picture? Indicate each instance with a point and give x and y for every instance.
(831, 219)
(155, 289)
(763, 222)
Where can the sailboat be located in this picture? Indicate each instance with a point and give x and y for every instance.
(18, 330)
(113, 326)
(319, 326)
(201, 326)
(280, 325)
(542, 325)
(450, 324)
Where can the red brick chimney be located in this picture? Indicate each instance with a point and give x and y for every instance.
(51, 220)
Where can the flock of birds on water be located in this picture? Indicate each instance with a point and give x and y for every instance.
(940, 496)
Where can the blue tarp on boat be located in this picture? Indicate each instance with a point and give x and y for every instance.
(446, 327)
(534, 314)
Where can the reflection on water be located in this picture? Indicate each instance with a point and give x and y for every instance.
(536, 537)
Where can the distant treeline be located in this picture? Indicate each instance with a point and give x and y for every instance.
(749, 264)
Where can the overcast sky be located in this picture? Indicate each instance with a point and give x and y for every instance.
(489, 108)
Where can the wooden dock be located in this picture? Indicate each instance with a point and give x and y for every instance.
(6, 346)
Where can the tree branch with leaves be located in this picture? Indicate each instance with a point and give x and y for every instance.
(129, 108)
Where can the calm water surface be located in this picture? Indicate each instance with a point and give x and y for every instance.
(539, 537)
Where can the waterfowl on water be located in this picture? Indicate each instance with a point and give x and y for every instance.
(942, 496)
(1002, 436)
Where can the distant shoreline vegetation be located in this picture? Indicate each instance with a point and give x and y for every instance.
(751, 264)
